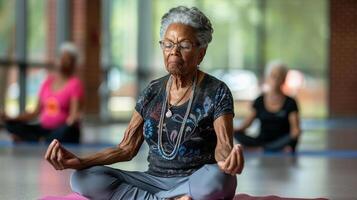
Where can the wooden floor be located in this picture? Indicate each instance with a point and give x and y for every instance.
(325, 166)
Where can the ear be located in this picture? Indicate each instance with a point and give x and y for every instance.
(201, 54)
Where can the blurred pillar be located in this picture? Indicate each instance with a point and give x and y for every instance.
(144, 42)
(343, 64)
(106, 59)
(21, 49)
(86, 30)
(63, 17)
(261, 40)
(3, 81)
(51, 30)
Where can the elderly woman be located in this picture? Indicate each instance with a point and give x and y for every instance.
(278, 115)
(58, 106)
(186, 119)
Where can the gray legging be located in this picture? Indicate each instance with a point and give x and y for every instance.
(101, 182)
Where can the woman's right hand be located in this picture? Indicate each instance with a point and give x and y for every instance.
(60, 158)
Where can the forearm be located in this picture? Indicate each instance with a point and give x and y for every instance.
(295, 133)
(224, 130)
(125, 151)
(229, 159)
(247, 122)
(106, 157)
(294, 121)
(72, 118)
(75, 111)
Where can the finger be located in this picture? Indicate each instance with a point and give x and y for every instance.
(227, 163)
(60, 158)
(54, 156)
(237, 167)
(221, 165)
(241, 159)
(66, 152)
(49, 150)
(49, 153)
(226, 160)
(233, 162)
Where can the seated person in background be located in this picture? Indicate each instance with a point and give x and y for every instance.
(58, 107)
(278, 115)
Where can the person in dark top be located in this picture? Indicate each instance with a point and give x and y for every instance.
(278, 115)
(186, 118)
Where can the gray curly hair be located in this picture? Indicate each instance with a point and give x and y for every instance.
(69, 47)
(192, 17)
(276, 64)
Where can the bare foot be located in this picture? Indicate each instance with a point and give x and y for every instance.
(186, 197)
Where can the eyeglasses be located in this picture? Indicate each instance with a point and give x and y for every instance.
(183, 46)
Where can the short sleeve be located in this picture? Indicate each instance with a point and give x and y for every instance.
(293, 107)
(143, 99)
(77, 89)
(44, 85)
(223, 102)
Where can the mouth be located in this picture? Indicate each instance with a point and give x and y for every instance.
(175, 62)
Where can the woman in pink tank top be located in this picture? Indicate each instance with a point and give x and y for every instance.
(58, 107)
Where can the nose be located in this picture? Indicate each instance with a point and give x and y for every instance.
(175, 49)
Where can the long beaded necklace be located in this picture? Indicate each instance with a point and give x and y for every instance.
(172, 155)
(169, 112)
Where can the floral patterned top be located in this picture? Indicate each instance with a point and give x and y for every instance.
(212, 99)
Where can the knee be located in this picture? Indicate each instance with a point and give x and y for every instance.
(90, 182)
(220, 182)
(214, 184)
(78, 182)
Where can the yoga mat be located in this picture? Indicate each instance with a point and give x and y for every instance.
(72, 196)
(75, 196)
(270, 197)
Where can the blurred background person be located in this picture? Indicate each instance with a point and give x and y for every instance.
(58, 107)
(278, 115)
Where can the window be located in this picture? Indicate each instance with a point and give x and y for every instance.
(7, 29)
(123, 58)
(247, 35)
(36, 38)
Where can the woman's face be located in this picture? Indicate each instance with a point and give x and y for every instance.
(66, 64)
(276, 79)
(181, 60)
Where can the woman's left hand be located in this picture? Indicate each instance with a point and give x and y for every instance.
(234, 163)
(70, 121)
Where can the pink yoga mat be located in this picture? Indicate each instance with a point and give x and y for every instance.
(270, 197)
(74, 196)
